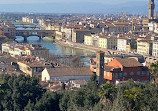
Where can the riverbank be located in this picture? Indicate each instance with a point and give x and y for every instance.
(81, 46)
(90, 48)
(49, 39)
(76, 45)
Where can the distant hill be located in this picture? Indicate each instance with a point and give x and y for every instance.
(131, 7)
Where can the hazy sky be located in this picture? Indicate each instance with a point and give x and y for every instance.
(76, 6)
(65, 1)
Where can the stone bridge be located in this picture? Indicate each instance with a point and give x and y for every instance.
(40, 33)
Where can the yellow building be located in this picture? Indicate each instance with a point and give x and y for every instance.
(103, 42)
(88, 40)
(144, 47)
(128, 48)
(59, 35)
(78, 35)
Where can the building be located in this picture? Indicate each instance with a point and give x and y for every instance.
(112, 42)
(91, 39)
(14, 49)
(100, 66)
(59, 35)
(155, 48)
(107, 42)
(122, 44)
(125, 69)
(103, 42)
(78, 35)
(144, 47)
(66, 74)
(31, 65)
(151, 7)
(78, 83)
(29, 20)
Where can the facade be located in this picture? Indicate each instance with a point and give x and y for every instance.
(107, 42)
(103, 42)
(155, 48)
(91, 39)
(144, 47)
(59, 35)
(15, 49)
(28, 20)
(78, 35)
(112, 42)
(125, 69)
(31, 66)
(122, 44)
(58, 74)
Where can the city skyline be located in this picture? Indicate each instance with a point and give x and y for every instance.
(82, 6)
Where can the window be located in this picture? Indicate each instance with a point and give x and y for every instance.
(120, 74)
(148, 73)
(108, 74)
(116, 75)
(138, 73)
(143, 73)
(125, 74)
(131, 73)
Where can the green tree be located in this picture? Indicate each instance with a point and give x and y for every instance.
(18, 90)
(48, 102)
(154, 71)
(107, 92)
(134, 97)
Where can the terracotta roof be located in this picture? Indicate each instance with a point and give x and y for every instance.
(129, 62)
(70, 71)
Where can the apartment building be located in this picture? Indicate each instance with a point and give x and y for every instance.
(78, 35)
(123, 44)
(15, 49)
(155, 48)
(144, 47)
(91, 39)
(103, 41)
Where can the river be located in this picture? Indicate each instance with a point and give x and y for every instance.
(55, 48)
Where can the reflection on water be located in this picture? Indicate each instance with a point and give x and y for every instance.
(53, 47)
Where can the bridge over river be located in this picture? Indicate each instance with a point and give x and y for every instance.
(40, 33)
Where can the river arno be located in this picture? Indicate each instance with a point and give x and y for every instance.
(57, 49)
(53, 47)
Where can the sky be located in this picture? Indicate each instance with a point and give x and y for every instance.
(65, 1)
(76, 6)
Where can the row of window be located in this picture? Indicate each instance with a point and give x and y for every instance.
(117, 75)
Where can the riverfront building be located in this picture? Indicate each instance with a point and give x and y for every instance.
(144, 47)
(14, 49)
(78, 35)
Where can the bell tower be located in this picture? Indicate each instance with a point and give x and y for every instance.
(151, 7)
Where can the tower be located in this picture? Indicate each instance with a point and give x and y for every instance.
(151, 7)
(100, 66)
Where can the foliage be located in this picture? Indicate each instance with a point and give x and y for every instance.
(16, 91)
(154, 69)
(22, 93)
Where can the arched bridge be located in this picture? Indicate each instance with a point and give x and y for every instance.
(39, 33)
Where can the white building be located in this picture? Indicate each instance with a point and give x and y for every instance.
(155, 49)
(121, 44)
(66, 74)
